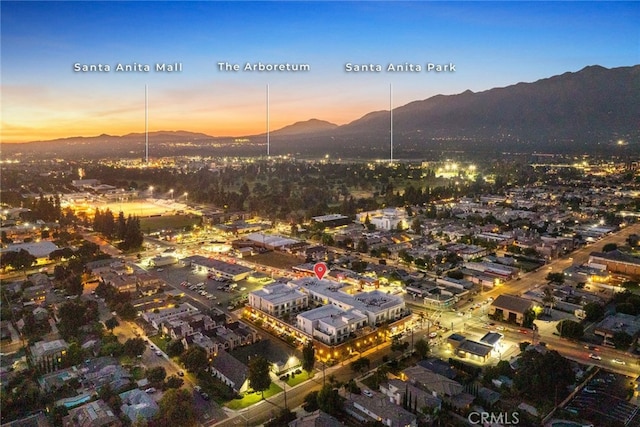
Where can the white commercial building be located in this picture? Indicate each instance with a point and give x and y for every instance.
(278, 299)
(376, 305)
(385, 219)
(331, 324)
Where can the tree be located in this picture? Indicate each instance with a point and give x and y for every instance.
(548, 299)
(134, 347)
(416, 225)
(311, 402)
(174, 348)
(557, 278)
(75, 354)
(111, 324)
(422, 347)
(20, 260)
(540, 375)
(195, 359)
(593, 311)
(362, 246)
(609, 247)
(622, 340)
(528, 318)
(360, 365)
(329, 400)
(127, 311)
(113, 349)
(259, 378)
(176, 409)
(399, 346)
(570, 329)
(157, 374)
(173, 382)
(308, 357)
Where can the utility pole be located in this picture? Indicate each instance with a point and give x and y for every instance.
(284, 388)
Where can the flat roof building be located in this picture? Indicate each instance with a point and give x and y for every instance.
(222, 269)
(378, 306)
(278, 299)
(510, 307)
(330, 324)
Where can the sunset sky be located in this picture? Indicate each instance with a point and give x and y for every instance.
(491, 45)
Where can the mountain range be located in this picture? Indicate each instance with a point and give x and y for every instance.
(575, 112)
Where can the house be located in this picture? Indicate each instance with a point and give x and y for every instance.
(316, 419)
(230, 371)
(450, 391)
(176, 328)
(121, 282)
(102, 371)
(438, 384)
(396, 390)
(56, 380)
(47, 355)
(510, 308)
(148, 283)
(380, 408)
(247, 334)
(138, 404)
(618, 322)
(92, 414)
(36, 293)
(488, 397)
(438, 366)
(209, 345)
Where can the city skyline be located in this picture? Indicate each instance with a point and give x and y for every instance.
(489, 44)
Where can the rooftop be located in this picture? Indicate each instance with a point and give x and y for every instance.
(277, 293)
(372, 302)
(512, 303)
(475, 348)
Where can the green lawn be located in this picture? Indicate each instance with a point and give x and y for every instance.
(138, 373)
(176, 222)
(298, 379)
(160, 342)
(250, 399)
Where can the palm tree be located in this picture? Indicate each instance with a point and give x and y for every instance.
(548, 299)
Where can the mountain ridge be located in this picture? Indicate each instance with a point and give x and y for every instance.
(582, 108)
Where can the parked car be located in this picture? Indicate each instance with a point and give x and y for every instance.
(180, 374)
(158, 353)
(150, 390)
(367, 393)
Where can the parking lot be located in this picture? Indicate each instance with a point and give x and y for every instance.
(603, 401)
(211, 292)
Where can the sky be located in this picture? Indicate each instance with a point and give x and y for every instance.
(489, 44)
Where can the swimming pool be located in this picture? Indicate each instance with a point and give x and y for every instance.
(74, 401)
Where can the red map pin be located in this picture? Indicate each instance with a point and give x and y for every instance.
(320, 269)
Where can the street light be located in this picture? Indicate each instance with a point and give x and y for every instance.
(151, 190)
(171, 191)
(185, 196)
